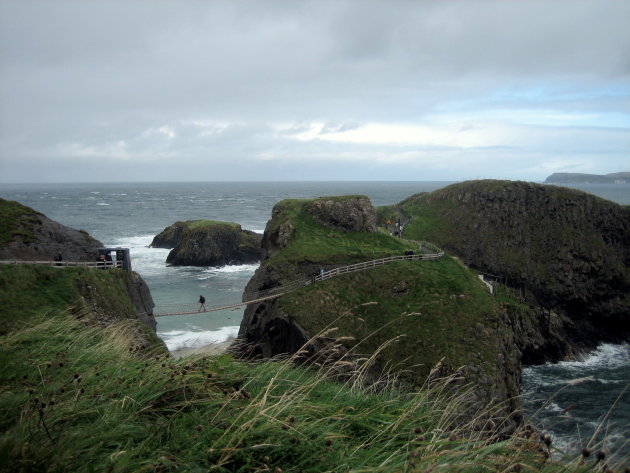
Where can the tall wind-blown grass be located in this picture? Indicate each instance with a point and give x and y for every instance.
(75, 397)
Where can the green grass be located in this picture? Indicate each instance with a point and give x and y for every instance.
(316, 243)
(17, 220)
(27, 291)
(32, 292)
(431, 309)
(79, 396)
(75, 397)
(387, 213)
(201, 224)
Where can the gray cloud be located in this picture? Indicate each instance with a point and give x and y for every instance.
(155, 87)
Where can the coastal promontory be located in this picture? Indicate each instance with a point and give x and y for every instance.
(208, 243)
(555, 263)
(28, 235)
(563, 253)
(582, 178)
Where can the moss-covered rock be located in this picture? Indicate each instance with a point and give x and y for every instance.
(567, 251)
(208, 243)
(28, 235)
(346, 213)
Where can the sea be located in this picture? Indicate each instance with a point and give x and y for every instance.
(580, 403)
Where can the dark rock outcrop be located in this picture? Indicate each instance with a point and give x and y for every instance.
(348, 213)
(31, 236)
(140, 297)
(208, 243)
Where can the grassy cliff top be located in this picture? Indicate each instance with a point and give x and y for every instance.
(514, 217)
(203, 224)
(17, 220)
(313, 242)
(30, 293)
(425, 313)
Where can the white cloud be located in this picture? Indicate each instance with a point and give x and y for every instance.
(458, 136)
(322, 90)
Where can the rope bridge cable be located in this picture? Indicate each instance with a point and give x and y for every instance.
(186, 308)
(272, 293)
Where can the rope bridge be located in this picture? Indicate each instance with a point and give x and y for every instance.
(267, 294)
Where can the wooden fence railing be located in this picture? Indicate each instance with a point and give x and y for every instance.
(67, 264)
(250, 297)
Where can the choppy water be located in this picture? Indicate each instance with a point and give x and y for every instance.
(583, 403)
(131, 214)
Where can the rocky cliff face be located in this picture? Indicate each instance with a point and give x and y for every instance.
(207, 243)
(140, 297)
(349, 214)
(566, 251)
(31, 236)
(265, 328)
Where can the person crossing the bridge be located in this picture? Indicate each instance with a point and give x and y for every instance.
(202, 303)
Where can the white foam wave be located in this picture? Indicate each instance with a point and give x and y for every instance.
(144, 260)
(179, 339)
(241, 268)
(102, 203)
(608, 355)
(553, 407)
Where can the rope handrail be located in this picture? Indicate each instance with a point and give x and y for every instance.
(256, 296)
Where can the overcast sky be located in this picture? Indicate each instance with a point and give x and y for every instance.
(312, 90)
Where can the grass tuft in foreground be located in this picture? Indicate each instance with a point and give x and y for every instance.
(76, 397)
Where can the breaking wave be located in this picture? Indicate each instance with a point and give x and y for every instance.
(179, 339)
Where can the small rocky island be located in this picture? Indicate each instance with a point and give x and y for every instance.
(208, 243)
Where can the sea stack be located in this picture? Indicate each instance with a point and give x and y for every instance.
(209, 243)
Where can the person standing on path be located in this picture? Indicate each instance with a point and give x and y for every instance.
(202, 303)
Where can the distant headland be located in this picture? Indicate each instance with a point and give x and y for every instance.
(579, 178)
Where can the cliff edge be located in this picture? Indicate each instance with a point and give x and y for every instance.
(28, 235)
